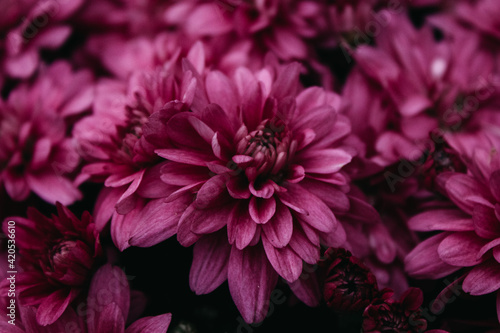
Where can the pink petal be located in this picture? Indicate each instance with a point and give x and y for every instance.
(111, 320)
(41, 153)
(423, 261)
(53, 306)
(180, 174)
(262, 210)
(317, 214)
(22, 65)
(495, 184)
(207, 19)
(16, 186)
(221, 91)
(241, 228)
(184, 156)
(27, 236)
(157, 221)
(491, 245)
(285, 261)
(483, 279)
(324, 161)
(331, 195)
(441, 219)
(152, 185)
(465, 192)
(105, 205)
(279, 229)
(206, 221)
(304, 248)
(307, 289)
(210, 263)
(52, 188)
(486, 223)
(157, 324)
(211, 192)
(113, 281)
(251, 279)
(184, 234)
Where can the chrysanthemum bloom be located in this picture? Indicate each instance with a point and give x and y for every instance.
(107, 309)
(36, 152)
(58, 255)
(470, 228)
(286, 28)
(112, 142)
(260, 170)
(354, 22)
(481, 15)
(349, 285)
(40, 24)
(390, 315)
(445, 86)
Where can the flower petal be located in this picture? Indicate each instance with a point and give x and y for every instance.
(210, 263)
(262, 210)
(279, 229)
(251, 279)
(285, 261)
(483, 279)
(441, 219)
(157, 324)
(424, 262)
(317, 214)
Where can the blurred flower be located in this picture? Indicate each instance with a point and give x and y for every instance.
(106, 310)
(286, 28)
(58, 256)
(349, 285)
(36, 152)
(469, 226)
(32, 26)
(438, 88)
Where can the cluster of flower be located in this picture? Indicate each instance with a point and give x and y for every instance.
(261, 133)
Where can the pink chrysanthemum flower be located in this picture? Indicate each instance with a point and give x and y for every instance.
(354, 22)
(29, 27)
(257, 173)
(446, 86)
(470, 228)
(58, 255)
(36, 152)
(286, 28)
(111, 139)
(107, 309)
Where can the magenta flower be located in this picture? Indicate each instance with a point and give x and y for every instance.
(58, 256)
(36, 153)
(353, 22)
(389, 315)
(107, 307)
(469, 225)
(37, 25)
(111, 140)
(286, 28)
(251, 192)
(438, 87)
(349, 285)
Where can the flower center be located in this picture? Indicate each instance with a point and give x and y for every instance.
(268, 145)
(60, 254)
